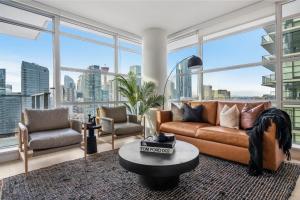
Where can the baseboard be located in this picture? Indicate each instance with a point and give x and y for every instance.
(9, 154)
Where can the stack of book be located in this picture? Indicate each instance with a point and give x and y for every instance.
(152, 144)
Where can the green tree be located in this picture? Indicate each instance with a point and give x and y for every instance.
(140, 98)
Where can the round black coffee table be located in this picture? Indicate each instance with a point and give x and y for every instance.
(159, 171)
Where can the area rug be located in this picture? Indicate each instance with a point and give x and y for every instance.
(101, 177)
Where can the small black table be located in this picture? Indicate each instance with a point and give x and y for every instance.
(159, 171)
(91, 138)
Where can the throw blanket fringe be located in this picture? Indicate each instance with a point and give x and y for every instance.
(261, 124)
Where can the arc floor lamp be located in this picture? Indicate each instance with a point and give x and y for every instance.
(193, 62)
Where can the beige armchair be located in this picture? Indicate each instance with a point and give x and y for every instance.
(116, 122)
(47, 131)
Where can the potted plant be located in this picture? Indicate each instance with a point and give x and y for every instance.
(141, 98)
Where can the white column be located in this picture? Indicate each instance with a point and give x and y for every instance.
(154, 50)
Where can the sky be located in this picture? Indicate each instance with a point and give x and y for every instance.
(236, 49)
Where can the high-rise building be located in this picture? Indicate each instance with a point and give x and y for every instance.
(183, 80)
(10, 112)
(290, 70)
(2, 81)
(8, 88)
(90, 84)
(221, 94)
(105, 84)
(138, 71)
(34, 80)
(69, 89)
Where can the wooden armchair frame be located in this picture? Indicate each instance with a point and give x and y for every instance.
(112, 129)
(26, 152)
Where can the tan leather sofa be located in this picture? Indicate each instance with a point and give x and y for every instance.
(226, 143)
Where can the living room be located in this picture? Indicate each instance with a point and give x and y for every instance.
(166, 99)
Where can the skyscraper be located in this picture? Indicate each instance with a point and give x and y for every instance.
(183, 80)
(8, 88)
(34, 80)
(105, 86)
(137, 70)
(90, 84)
(69, 89)
(10, 112)
(2, 81)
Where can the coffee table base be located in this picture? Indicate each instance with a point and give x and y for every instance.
(159, 183)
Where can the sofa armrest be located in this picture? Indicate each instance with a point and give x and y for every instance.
(162, 116)
(273, 156)
(107, 124)
(76, 125)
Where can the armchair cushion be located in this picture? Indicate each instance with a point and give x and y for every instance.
(118, 114)
(127, 128)
(54, 138)
(44, 120)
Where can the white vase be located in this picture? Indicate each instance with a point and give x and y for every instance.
(150, 117)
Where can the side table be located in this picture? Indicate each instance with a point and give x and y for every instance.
(91, 138)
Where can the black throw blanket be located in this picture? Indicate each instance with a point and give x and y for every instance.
(261, 124)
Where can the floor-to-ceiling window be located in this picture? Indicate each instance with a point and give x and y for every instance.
(26, 67)
(182, 85)
(87, 69)
(89, 58)
(235, 66)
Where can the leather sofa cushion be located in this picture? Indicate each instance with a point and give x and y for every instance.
(240, 105)
(54, 138)
(224, 135)
(44, 120)
(118, 114)
(182, 128)
(209, 110)
(249, 115)
(127, 128)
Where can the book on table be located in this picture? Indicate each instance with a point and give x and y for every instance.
(152, 144)
(157, 150)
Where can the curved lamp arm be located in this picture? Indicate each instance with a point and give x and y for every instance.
(169, 77)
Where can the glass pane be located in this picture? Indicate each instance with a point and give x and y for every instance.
(129, 45)
(80, 54)
(241, 48)
(129, 61)
(177, 56)
(183, 87)
(26, 68)
(255, 83)
(89, 86)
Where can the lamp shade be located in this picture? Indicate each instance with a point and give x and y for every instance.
(194, 62)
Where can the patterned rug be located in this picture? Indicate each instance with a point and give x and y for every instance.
(101, 177)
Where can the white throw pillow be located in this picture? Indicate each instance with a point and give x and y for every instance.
(230, 117)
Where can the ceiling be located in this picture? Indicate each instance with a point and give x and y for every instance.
(136, 16)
